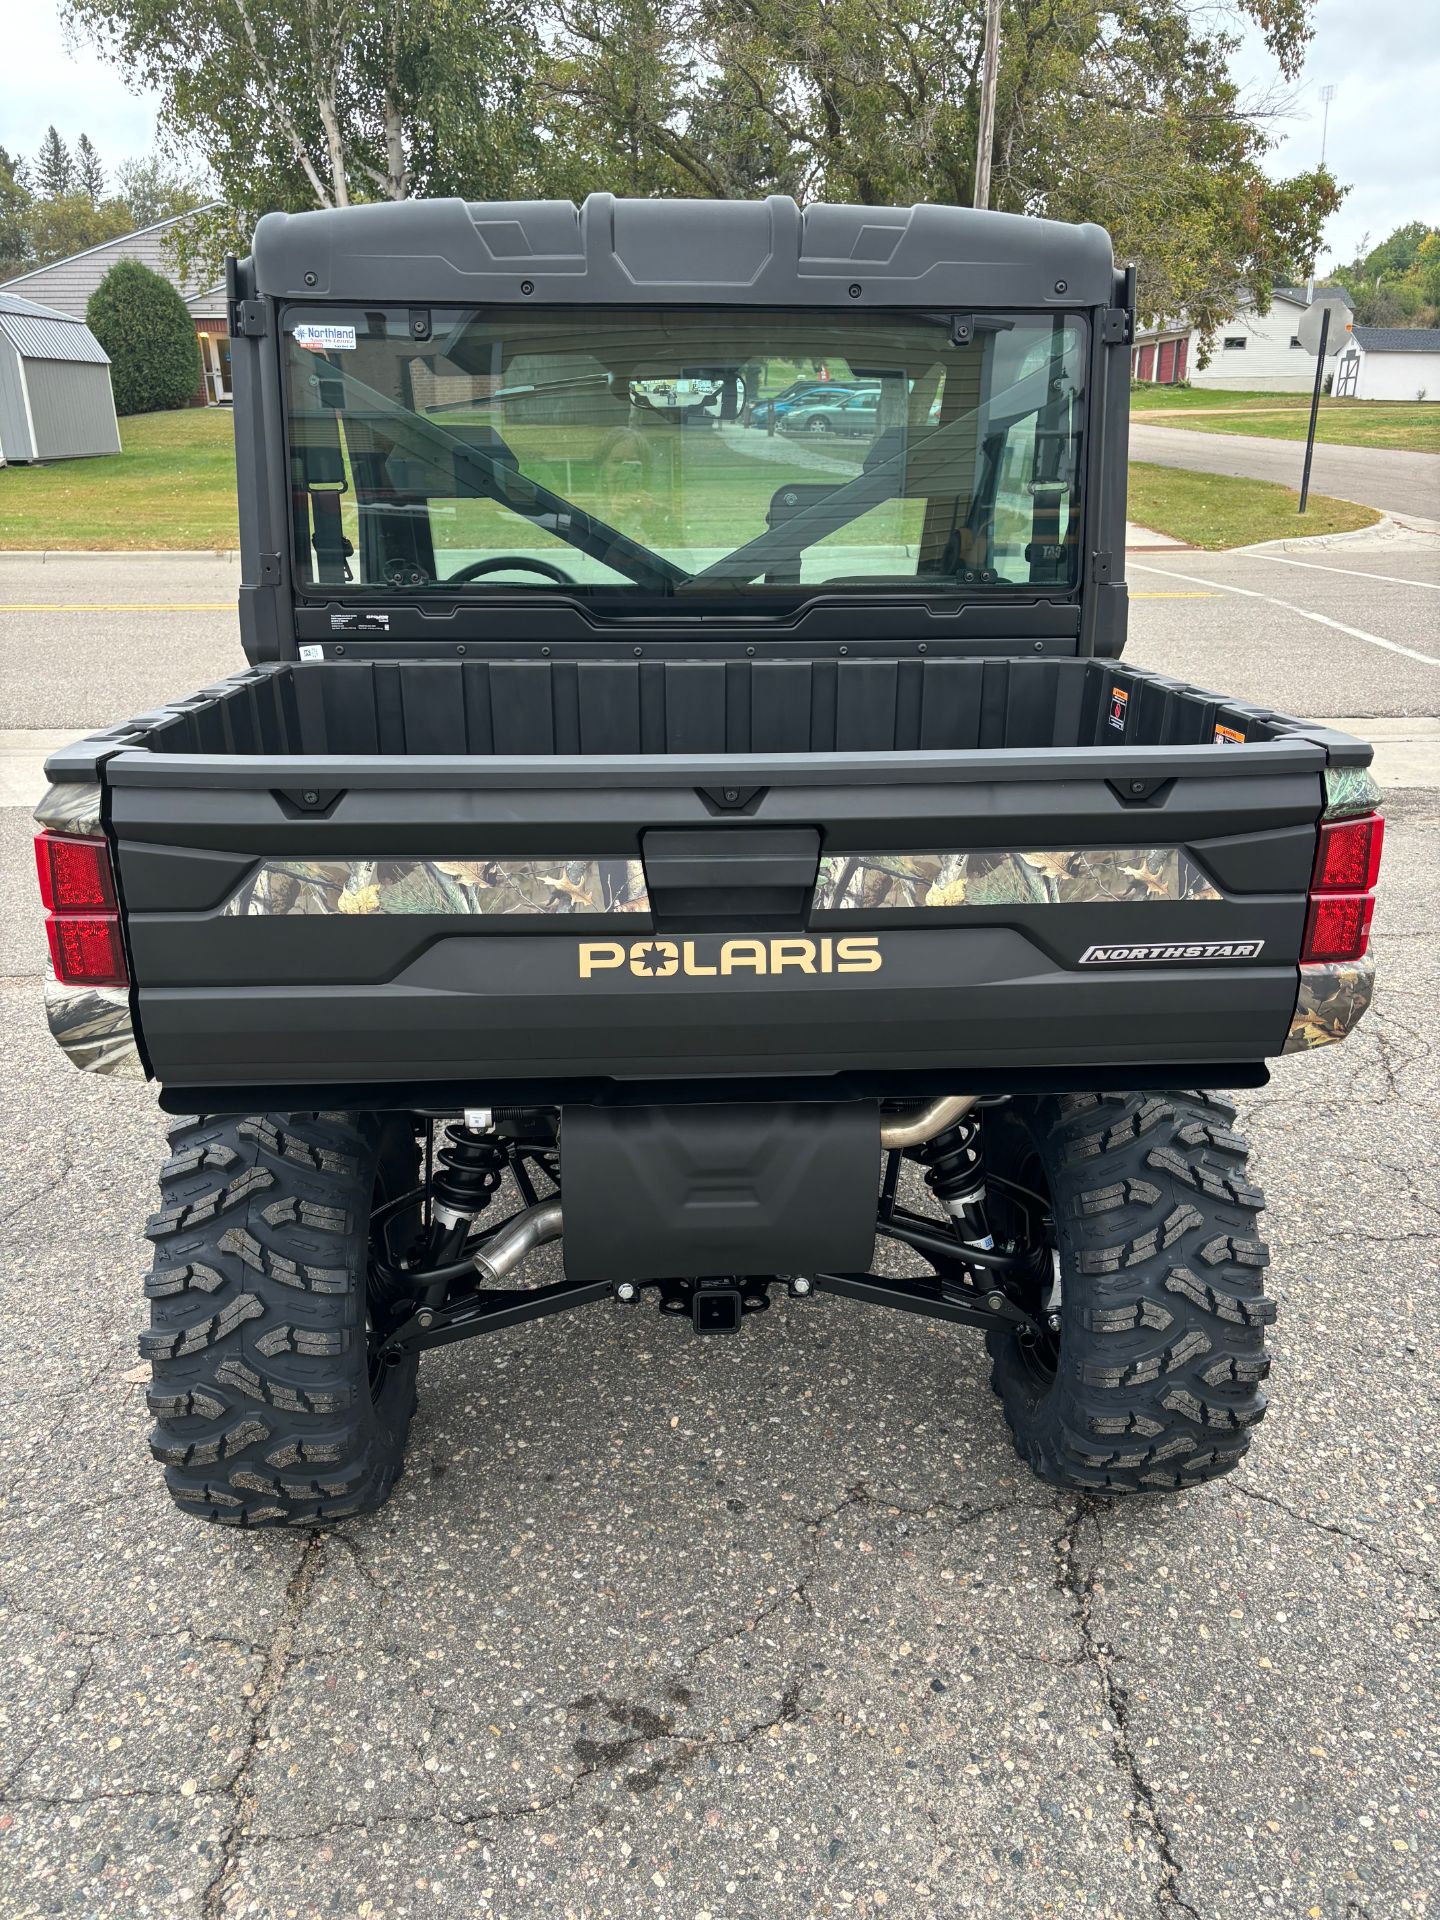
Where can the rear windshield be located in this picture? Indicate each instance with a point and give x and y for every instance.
(683, 453)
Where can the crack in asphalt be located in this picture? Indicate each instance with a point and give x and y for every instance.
(1143, 1813)
(78, 1686)
(105, 1636)
(238, 1788)
(1318, 1525)
(638, 1727)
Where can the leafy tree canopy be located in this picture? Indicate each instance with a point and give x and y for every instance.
(1397, 283)
(1106, 111)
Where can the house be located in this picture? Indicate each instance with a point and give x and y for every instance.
(55, 398)
(1258, 352)
(66, 285)
(1389, 363)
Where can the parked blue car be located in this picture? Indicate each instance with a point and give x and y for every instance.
(796, 394)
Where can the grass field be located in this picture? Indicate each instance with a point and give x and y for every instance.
(1153, 399)
(174, 486)
(1406, 427)
(1215, 510)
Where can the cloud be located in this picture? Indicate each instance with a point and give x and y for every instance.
(1384, 63)
(73, 90)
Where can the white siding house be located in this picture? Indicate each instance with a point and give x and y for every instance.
(1390, 363)
(1260, 352)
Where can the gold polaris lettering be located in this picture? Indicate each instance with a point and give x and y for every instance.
(792, 953)
(598, 955)
(859, 953)
(655, 959)
(736, 954)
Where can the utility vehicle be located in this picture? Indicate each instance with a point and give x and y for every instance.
(736, 872)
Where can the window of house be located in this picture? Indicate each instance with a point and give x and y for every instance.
(1235, 343)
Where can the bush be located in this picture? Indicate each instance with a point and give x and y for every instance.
(147, 330)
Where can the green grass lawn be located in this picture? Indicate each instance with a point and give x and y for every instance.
(1153, 399)
(1216, 510)
(173, 486)
(1405, 426)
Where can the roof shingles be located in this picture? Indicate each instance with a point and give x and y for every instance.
(1397, 339)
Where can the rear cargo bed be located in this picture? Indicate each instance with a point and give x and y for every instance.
(689, 706)
(407, 879)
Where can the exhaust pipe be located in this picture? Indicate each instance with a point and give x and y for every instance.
(914, 1129)
(499, 1257)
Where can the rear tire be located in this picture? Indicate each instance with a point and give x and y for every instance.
(1154, 1380)
(270, 1406)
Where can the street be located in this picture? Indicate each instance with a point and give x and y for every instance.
(1401, 483)
(772, 1627)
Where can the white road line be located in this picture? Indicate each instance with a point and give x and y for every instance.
(1315, 566)
(1288, 606)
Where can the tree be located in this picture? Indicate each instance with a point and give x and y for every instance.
(58, 228)
(296, 103)
(54, 169)
(1397, 283)
(1106, 111)
(89, 174)
(153, 192)
(146, 328)
(16, 252)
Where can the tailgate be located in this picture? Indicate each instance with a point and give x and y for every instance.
(412, 922)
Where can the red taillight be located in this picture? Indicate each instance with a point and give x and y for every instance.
(86, 949)
(1338, 926)
(77, 885)
(1342, 903)
(1348, 859)
(74, 874)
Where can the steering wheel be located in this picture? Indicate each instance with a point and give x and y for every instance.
(503, 562)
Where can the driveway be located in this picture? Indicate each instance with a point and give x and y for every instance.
(1399, 483)
(771, 1628)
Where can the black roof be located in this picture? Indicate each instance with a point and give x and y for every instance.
(1397, 339)
(712, 252)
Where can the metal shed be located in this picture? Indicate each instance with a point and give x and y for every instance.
(55, 398)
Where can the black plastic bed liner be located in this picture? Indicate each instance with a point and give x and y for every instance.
(640, 707)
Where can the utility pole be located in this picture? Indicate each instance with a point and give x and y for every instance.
(1327, 94)
(989, 73)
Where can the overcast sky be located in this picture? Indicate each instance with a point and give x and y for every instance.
(1384, 61)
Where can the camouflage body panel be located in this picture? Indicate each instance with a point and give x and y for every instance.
(1350, 790)
(1333, 996)
(94, 1027)
(879, 880)
(72, 806)
(479, 886)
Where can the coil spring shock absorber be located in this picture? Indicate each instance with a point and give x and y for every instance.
(955, 1173)
(471, 1164)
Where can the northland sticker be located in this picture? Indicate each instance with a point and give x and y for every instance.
(1145, 953)
(324, 339)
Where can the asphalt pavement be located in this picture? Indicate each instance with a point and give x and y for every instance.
(1394, 481)
(774, 1627)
